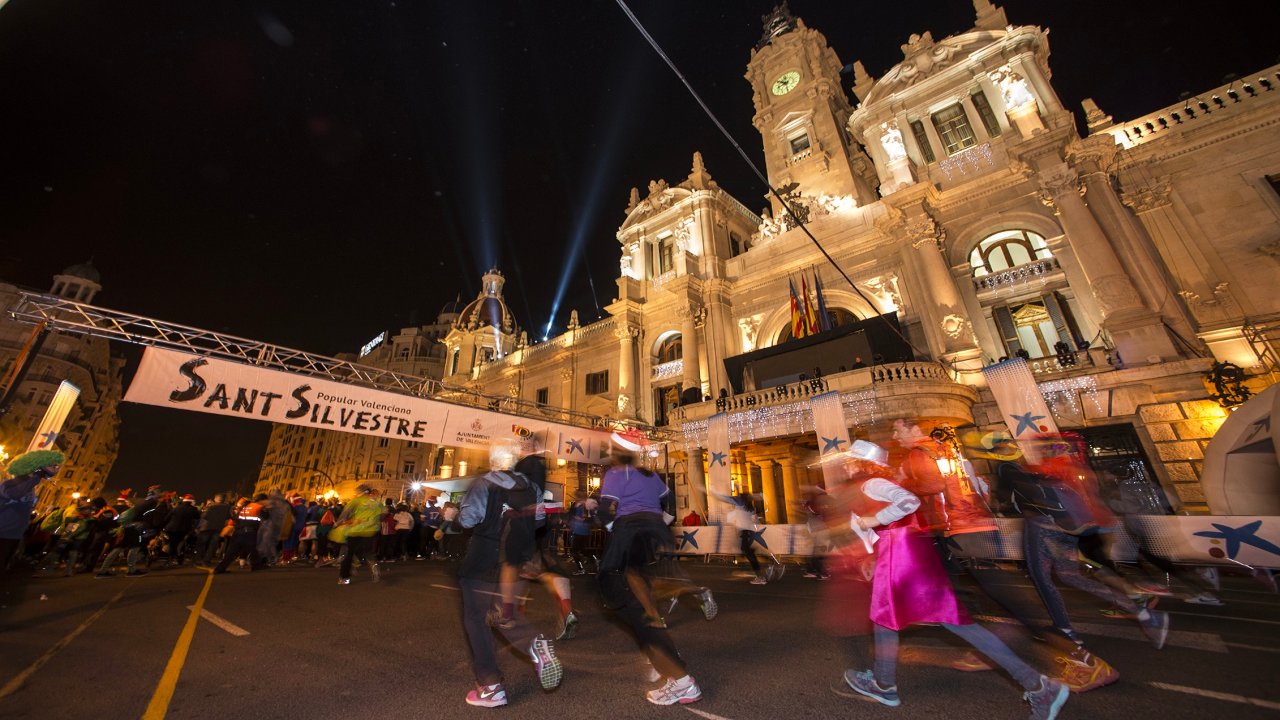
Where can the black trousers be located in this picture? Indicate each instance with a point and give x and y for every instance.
(241, 544)
(362, 546)
(176, 542)
(478, 597)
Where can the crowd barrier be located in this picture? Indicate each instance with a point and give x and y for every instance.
(1239, 540)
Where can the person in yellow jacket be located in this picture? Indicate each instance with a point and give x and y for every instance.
(360, 522)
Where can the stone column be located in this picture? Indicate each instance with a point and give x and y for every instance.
(689, 345)
(773, 510)
(927, 238)
(626, 369)
(695, 474)
(791, 491)
(1135, 330)
(566, 387)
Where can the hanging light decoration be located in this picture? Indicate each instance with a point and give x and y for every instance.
(1069, 392)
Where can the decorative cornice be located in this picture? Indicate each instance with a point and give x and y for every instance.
(1151, 196)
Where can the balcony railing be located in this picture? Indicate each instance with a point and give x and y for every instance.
(675, 368)
(1022, 274)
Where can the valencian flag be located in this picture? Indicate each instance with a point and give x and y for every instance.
(1020, 402)
(810, 320)
(824, 322)
(798, 326)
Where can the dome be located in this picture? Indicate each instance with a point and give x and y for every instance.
(84, 271)
(489, 309)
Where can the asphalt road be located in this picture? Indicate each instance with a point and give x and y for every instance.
(291, 643)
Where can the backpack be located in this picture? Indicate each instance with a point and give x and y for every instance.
(1036, 494)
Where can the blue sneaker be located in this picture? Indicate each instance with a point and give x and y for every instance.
(1048, 700)
(864, 683)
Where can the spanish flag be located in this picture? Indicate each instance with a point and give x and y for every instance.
(798, 327)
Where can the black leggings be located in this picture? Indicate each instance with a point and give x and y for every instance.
(747, 540)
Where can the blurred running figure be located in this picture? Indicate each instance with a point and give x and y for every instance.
(361, 519)
(632, 498)
(491, 509)
(910, 586)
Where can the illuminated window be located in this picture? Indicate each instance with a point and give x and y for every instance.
(666, 253)
(1007, 249)
(598, 383)
(540, 396)
(953, 129)
(985, 112)
(922, 141)
(799, 144)
(671, 349)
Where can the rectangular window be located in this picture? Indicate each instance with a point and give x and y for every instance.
(799, 144)
(383, 442)
(409, 466)
(598, 383)
(540, 396)
(922, 141)
(953, 129)
(985, 112)
(666, 254)
(379, 467)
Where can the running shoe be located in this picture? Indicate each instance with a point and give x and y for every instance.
(1204, 598)
(1083, 675)
(970, 662)
(550, 671)
(1150, 588)
(104, 574)
(654, 621)
(344, 581)
(758, 580)
(488, 696)
(135, 573)
(682, 691)
(1047, 700)
(810, 574)
(1156, 627)
(864, 683)
(376, 570)
(568, 627)
(708, 603)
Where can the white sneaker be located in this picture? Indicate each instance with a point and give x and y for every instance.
(1205, 598)
(673, 691)
(757, 580)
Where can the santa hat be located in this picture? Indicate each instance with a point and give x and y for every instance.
(630, 439)
(124, 495)
(189, 498)
(153, 490)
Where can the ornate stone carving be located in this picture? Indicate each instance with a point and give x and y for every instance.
(566, 375)
(956, 327)
(885, 289)
(1115, 292)
(700, 317)
(1145, 198)
(624, 402)
(922, 58)
(1013, 87)
(750, 327)
(1221, 297)
(924, 230)
(1058, 183)
(682, 231)
(627, 333)
(892, 220)
(891, 140)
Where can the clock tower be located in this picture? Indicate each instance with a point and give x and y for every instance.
(801, 112)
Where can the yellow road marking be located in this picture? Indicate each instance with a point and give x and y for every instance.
(159, 705)
(17, 682)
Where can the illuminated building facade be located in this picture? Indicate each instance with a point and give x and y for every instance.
(969, 210)
(90, 435)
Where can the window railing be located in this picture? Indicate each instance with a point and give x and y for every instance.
(675, 368)
(666, 277)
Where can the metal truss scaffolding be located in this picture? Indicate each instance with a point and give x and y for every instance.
(63, 315)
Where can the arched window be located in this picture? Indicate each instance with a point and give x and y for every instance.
(836, 316)
(671, 349)
(1007, 249)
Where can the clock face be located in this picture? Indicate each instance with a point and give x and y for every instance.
(786, 83)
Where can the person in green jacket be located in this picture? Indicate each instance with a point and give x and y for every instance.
(360, 522)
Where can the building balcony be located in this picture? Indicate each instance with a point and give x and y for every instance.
(874, 395)
(1040, 271)
(668, 370)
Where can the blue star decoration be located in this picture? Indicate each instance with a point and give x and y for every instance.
(1026, 422)
(832, 444)
(49, 437)
(757, 536)
(1233, 537)
(718, 458)
(574, 444)
(689, 537)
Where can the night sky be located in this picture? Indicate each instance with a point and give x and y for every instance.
(313, 173)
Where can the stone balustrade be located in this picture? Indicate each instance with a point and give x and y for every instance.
(1038, 270)
(675, 368)
(1201, 108)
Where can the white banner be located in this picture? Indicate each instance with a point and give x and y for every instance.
(1020, 402)
(54, 417)
(168, 378)
(833, 435)
(719, 479)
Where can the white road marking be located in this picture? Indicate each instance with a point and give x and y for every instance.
(1229, 697)
(1210, 642)
(1259, 648)
(1224, 617)
(705, 714)
(524, 598)
(222, 623)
